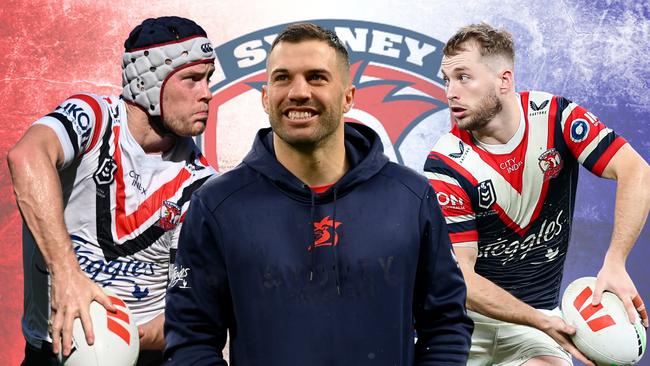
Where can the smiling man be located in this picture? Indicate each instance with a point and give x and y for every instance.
(506, 177)
(316, 250)
(103, 184)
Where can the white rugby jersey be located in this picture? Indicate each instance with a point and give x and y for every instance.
(515, 201)
(123, 208)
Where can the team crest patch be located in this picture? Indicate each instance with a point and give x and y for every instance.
(170, 215)
(487, 196)
(550, 162)
(325, 233)
(398, 88)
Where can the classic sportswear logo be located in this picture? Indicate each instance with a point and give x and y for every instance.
(116, 320)
(587, 313)
(395, 71)
(325, 233)
(461, 148)
(536, 107)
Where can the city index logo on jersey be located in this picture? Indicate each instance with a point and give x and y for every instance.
(598, 323)
(396, 72)
(323, 231)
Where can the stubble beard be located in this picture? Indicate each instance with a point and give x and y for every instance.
(488, 108)
(322, 131)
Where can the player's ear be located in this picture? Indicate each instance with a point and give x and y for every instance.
(265, 98)
(348, 98)
(506, 80)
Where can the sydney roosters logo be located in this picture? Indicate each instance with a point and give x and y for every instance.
(325, 233)
(399, 93)
(170, 215)
(550, 162)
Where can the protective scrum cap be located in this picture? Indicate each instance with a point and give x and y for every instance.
(155, 50)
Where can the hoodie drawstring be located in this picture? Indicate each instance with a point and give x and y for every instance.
(336, 248)
(313, 236)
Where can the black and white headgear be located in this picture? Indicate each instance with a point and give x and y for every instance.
(154, 51)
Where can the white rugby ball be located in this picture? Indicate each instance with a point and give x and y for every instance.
(603, 333)
(116, 337)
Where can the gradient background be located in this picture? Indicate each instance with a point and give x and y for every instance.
(596, 53)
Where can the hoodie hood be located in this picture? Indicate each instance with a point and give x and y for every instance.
(363, 150)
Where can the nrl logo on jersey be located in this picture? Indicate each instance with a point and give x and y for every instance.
(396, 72)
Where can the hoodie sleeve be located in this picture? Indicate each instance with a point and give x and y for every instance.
(198, 306)
(443, 328)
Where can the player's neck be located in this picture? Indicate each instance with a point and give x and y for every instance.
(317, 166)
(503, 126)
(145, 134)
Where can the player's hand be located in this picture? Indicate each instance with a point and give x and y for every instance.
(614, 278)
(151, 333)
(561, 332)
(72, 292)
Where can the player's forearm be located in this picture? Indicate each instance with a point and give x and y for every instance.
(485, 297)
(631, 210)
(38, 194)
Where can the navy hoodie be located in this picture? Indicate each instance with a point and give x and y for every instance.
(338, 278)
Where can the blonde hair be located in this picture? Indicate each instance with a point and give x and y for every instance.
(490, 41)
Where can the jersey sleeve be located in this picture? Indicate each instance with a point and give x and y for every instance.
(78, 123)
(454, 201)
(588, 139)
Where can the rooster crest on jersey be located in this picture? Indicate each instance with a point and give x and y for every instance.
(170, 215)
(551, 163)
(393, 69)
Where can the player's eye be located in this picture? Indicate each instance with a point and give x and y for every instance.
(280, 77)
(317, 77)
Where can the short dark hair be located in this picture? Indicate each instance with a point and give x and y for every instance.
(491, 41)
(296, 33)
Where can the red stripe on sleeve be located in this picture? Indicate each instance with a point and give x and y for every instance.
(463, 237)
(604, 159)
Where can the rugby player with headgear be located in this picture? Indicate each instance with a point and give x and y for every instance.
(103, 184)
(506, 177)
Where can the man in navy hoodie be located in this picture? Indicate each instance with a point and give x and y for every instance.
(316, 250)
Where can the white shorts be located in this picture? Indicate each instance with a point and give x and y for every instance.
(495, 342)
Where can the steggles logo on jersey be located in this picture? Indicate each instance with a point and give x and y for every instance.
(520, 249)
(323, 232)
(170, 215)
(113, 271)
(395, 70)
(550, 162)
(105, 174)
(487, 196)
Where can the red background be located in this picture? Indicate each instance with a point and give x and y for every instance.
(51, 50)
